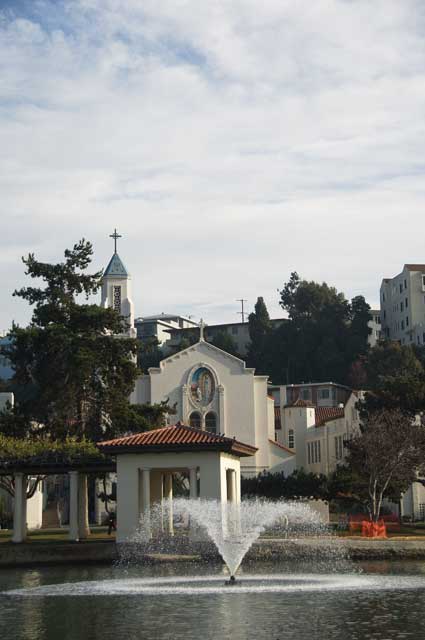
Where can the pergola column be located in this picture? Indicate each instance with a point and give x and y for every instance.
(20, 508)
(169, 496)
(83, 516)
(193, 485)
(73, 506)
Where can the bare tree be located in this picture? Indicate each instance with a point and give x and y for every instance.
(385, 456)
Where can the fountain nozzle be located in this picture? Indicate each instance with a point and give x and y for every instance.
(231, 581)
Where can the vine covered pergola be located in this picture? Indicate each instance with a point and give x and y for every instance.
(24, 464)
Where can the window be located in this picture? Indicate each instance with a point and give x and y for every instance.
(383, 297)
(406, 303)
(401, 306)
(234, 331)
(407, 321)
(117, 299)
(309, 452)
(324, 394)
(405, 284)
(211, 422)
(402, 324)
(291, 439)
(305, 394)
(195, 420)
(339, 446)
(423, 281)
(401, 288)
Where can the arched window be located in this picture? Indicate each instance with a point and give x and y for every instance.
(291, 439)
(211, 422)
(195, 420)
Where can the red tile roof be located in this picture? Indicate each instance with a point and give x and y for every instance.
(282, 447)
(326, 414)
(178, 437)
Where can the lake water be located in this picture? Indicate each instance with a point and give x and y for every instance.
(384, 601)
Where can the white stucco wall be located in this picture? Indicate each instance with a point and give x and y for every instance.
(211, 465)
(240, 402)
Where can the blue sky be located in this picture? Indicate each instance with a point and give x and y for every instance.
(230, 142)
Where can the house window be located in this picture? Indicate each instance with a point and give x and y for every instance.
(291, 439)
(195, 420)
(234, 331)
(305, 394)
(405, 284)
(309, 453)
(117, 299)
(406, 303)
(401, 288)
(423, 281)
(402, 324)
(324, 394)
(407, 321)
(339, 445)
(401, 306)
(211, 422)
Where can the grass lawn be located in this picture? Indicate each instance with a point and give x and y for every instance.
(57, 535)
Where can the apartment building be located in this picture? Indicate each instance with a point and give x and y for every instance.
(403, 305)
(239, 332)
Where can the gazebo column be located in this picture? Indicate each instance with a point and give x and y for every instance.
(73, 506)
(193, 488)
(169, 496)
(83, 516)
(146, 500)
(20, 508)
(231, 485)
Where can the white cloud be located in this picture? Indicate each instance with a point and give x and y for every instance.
(230, 143)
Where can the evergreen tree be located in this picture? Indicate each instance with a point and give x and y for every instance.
(325, 334)
(395, 379)
(260, 331)
(76, 373)
(225, 342)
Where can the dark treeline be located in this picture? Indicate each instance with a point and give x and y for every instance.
(322, 338)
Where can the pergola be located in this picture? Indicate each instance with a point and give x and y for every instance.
(146, 463)
(77, 470)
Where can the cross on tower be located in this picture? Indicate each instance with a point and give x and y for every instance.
(115, 236)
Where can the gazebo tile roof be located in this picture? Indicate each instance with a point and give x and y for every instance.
(178, 436)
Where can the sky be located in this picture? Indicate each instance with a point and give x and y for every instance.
(230, 142)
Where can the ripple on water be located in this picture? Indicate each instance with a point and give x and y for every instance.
(205, 585)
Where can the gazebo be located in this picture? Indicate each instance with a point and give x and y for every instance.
(145, 464)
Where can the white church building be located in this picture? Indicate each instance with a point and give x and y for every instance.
(215, 391)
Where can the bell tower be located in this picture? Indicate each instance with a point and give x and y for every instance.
(116, 288)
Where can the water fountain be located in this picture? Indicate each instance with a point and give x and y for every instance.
(232, 528)
(283, 598)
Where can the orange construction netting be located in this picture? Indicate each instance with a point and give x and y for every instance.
(374, 529)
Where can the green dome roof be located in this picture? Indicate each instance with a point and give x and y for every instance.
(116, 268)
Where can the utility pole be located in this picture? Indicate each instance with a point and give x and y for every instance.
(242, 313)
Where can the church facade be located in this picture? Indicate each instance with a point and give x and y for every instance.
(214, 391)
(209, 388)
